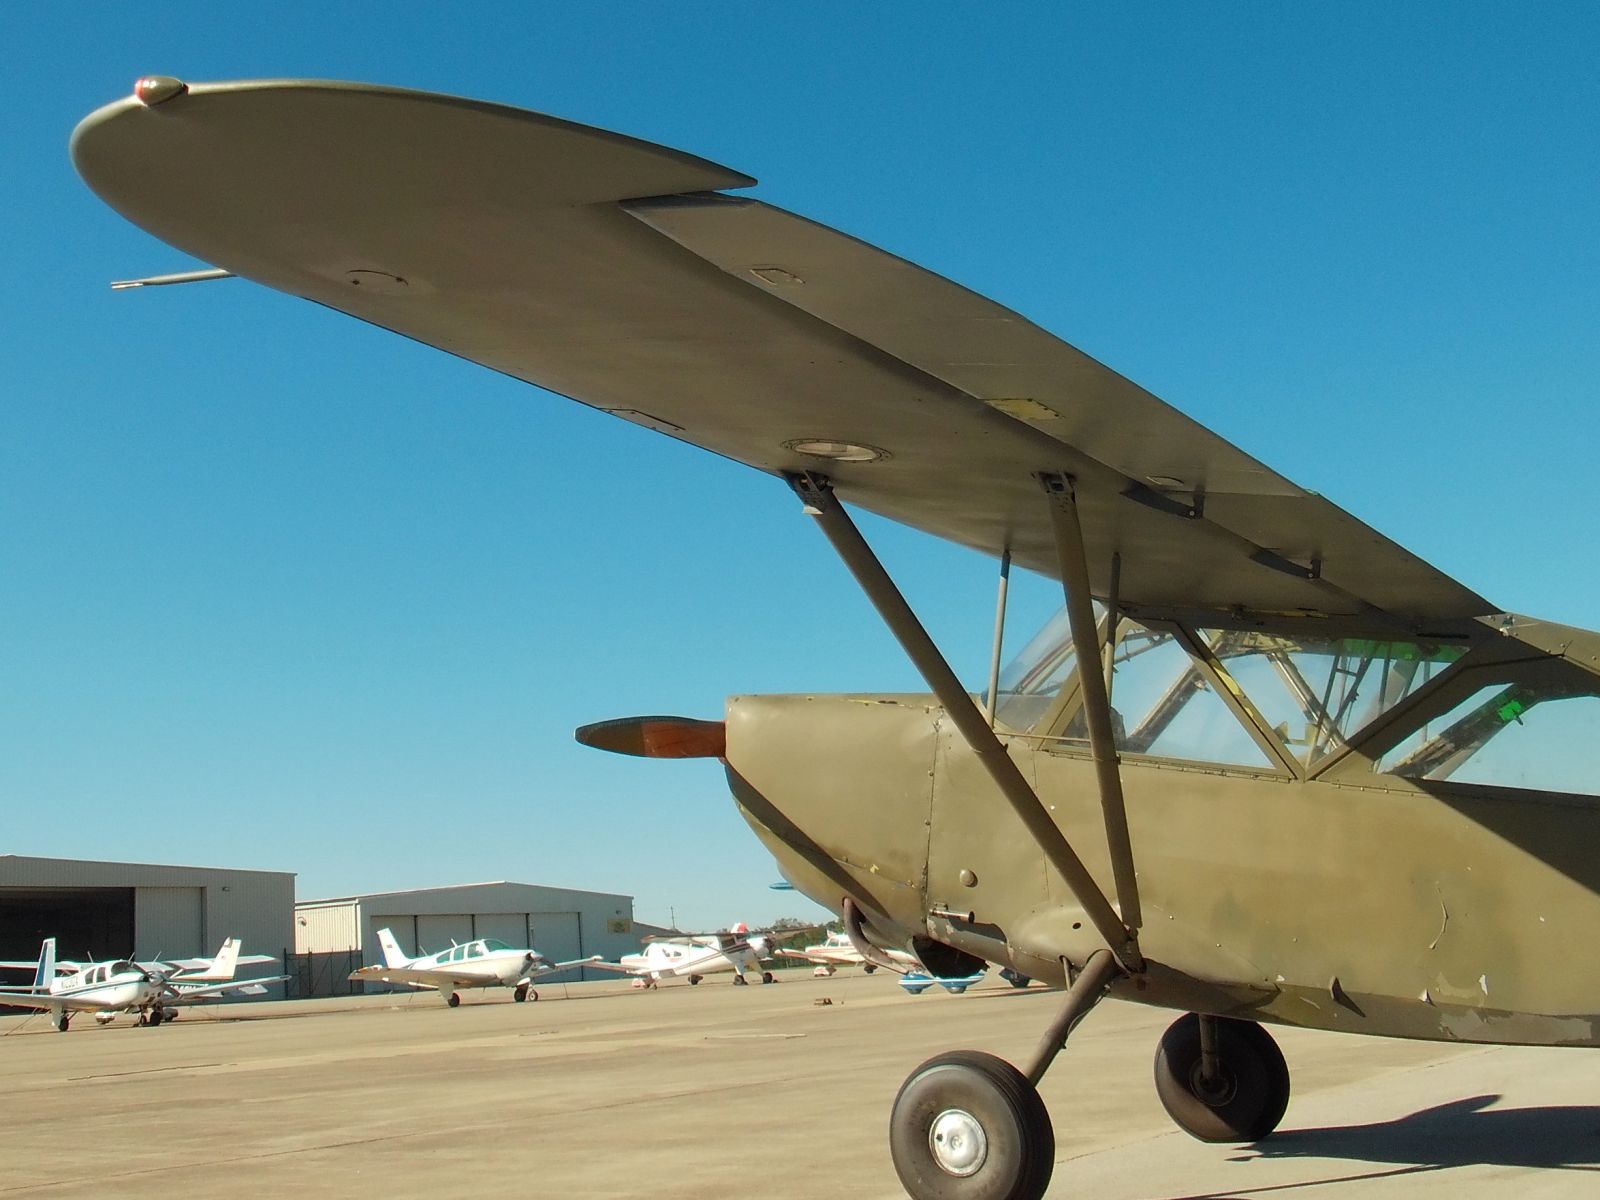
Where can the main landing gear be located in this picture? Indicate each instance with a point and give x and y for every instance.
(970, 1126)
(61, 1020)
(523, 993)
(453, 1000)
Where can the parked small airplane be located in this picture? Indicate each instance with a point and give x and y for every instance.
(150, 989)
(483, 963)
(835, 951)
(693, 956)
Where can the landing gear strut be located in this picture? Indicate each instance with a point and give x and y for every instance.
(1221, 1080)
(969, 1126)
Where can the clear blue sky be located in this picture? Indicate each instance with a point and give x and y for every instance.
(279, 590)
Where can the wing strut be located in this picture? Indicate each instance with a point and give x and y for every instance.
(1096, 702)
(816, 494)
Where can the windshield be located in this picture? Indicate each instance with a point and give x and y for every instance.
(1317, 693)
(1031, 682)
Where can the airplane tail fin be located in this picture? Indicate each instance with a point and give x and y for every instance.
(393, 956)
(227, 960)
(46, 972)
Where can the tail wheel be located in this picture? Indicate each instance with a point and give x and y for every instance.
(1244, 1099)
(969, 1126)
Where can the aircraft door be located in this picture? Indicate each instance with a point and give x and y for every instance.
(982, 861)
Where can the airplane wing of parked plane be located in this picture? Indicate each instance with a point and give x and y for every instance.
(739, 327)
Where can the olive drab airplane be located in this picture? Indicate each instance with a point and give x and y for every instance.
(481, 963)
(693, 956)
(151, 990)
(1267, 767)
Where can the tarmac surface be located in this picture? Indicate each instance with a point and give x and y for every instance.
(600, 1091)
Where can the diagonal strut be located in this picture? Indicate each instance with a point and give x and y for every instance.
(816, 493)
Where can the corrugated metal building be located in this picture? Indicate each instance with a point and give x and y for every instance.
(107, 909)
(561, 923)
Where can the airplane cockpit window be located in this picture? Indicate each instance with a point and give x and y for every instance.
(120, 968)
(1317, 693)
(490, 945)
(1162, 705)
(1032, 681)
(475, 950)
(1539, 736)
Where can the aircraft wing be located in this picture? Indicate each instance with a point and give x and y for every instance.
(424, 979)
(205, 964)
(617, 968)
(622, 275)
(827, 956)
(44, 1000)
(191, 994)
(592, 961)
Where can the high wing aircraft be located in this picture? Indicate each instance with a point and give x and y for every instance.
(483, 963)
(693, 956)
(1266, 767)
(152, 990)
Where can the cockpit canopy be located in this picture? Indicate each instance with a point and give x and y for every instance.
(1498, 713)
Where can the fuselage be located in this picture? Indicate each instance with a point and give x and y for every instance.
(664, 960)
(1338, 896)
(105, 987)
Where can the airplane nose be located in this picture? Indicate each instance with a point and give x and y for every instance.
(657, 737)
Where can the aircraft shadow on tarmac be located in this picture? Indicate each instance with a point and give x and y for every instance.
(1463, 1133)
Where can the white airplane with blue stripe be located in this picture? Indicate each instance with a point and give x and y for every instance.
(481, 963)
(151, 990)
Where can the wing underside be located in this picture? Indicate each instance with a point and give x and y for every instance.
(621, 275)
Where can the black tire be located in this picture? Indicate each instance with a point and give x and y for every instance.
(521, 993)
(156, 1017)
(970, 1088)
(1249, 1098)
(740, 981)
(868, 968)
(694, 979)
(766, 977)
(63, 1021)
(454, 1001)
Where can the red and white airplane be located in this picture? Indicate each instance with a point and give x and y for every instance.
(836, 951)
(693, 956)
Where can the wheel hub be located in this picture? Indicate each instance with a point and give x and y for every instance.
(957, 1142)
(1215, 1091)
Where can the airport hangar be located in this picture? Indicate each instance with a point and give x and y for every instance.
(103, 910)
(560, 923)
